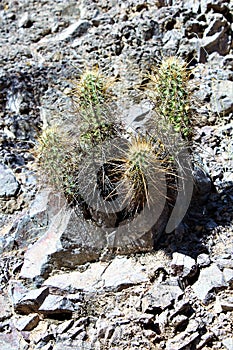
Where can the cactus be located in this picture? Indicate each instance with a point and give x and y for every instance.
(170, 84)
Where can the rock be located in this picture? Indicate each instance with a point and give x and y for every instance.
(25, 21)
(9, 186)
(226, 303)
(183, 265)
(5, 309)
(202, 182)
(180, 341)
(56, 305)
(81, 281)
(222, 96)
(120, 273)
(203, 260)
(210, 280)
(123, 273)
(40, 334)
(159, 297)
(27, 323)
(16, 291)
(228, 343)
(32, 300)
(205, 338)
(226, 262)
(64, 326)
(217, 37)
(76, 29)
(11, 340)
(228, 276)
(179, 320)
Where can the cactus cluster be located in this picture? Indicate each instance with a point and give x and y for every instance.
(64, 157)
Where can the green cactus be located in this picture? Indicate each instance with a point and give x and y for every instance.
(170, 84)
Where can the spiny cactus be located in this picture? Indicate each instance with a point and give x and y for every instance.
(91, 89)
(170, 84)
(140, 163)
(58, 160)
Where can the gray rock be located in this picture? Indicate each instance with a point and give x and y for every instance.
(76, 29)
(159, 297)
(64, 326)
(122, 273)
(183, 265)
(5, 309)
(224, 262)
(226, 303)
(210, 280)
(228, 276)
(205, 338)
(48, 249)
(9, 186)
(182, 340)
(25, 21)
(32, 300)
(27, 323)
(55, 304)
(222, 96)
(203, 260)
(228, 343)
(16, 291)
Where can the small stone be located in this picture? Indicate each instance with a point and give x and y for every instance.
(55, 304)
(27, 323)
(228, 343)
(179, 320)
(228, 276)
(183, 265)
(74, 30)
(203, 260)
(210, 279)
(9, 186)
(25, 21)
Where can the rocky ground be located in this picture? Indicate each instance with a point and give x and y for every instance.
(63, 290)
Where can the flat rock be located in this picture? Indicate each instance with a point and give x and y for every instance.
(120, 273)
(210, 279)
(55, 304)
(32, 300)
(9, 186)
(81, 281)
(27, 323)
(183, 265)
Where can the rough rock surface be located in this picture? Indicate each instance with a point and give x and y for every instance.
(61, 290)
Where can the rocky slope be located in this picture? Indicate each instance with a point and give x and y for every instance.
(60, 287)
